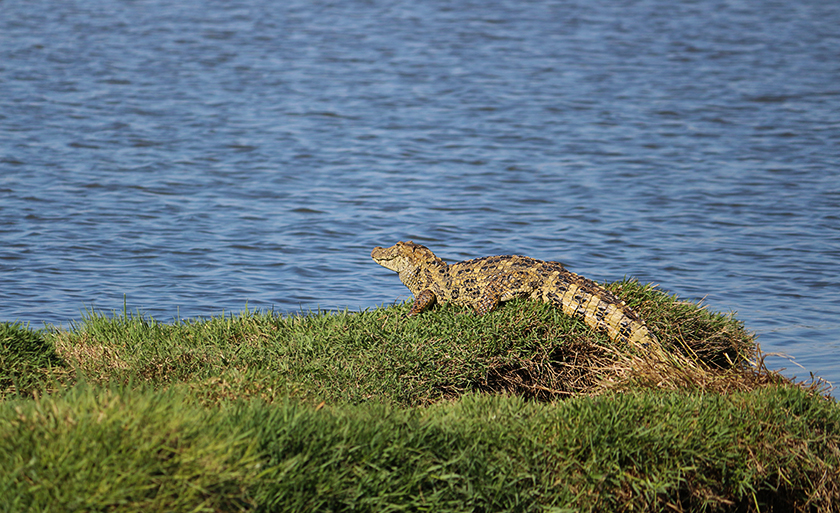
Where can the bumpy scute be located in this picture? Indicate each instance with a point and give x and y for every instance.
(483, 283)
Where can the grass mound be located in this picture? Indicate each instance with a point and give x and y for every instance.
(525, 348)
(117, 449)
(140, 449)
(27, 360)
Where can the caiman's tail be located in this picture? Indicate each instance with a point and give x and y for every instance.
(598, 307)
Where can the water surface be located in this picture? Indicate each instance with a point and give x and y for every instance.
(193, 159)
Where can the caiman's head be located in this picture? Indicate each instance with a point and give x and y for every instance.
(404, 255)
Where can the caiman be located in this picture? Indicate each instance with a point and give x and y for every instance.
(483, 283)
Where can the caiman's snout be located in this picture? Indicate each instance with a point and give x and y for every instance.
(388, 258)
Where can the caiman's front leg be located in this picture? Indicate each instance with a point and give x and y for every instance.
(423, 300)
(489, 299)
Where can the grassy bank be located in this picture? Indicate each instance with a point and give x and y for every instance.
(521, 410)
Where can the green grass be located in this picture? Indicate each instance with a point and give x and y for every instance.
(137, 449)
(96, 449)
(27, 361)
(521, 410)
(525, 348)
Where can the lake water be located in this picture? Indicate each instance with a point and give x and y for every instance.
(195, 157)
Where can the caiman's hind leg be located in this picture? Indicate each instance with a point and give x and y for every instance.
(423, 300)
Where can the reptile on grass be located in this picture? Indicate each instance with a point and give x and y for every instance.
(483, 283)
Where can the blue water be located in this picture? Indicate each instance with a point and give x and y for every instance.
(195, 157)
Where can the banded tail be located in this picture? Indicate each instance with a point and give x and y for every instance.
(598, 307)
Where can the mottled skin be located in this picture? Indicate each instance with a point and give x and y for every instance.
(484, 282)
